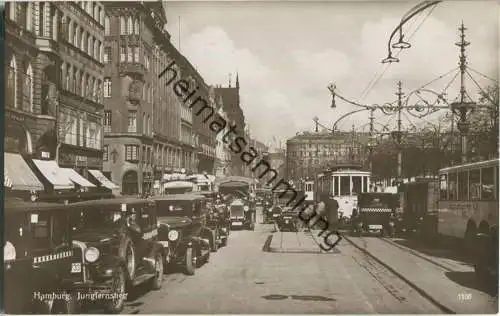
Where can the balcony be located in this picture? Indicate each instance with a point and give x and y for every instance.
(47, 44)
(132, 68)
(15, 30)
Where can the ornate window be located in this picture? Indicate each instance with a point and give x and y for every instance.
(123, 26)
(132, 121)
(70, 30)
(83, 42)
(136, 54)
(82, 84)
(91, 45)
(107, 55)
(107, 30)
(107, 87)
(123, 53)
(136, 26)
(12, 80)
(130, 25)
(96, 50)
(130, 57)
(76, 36)
(144, 127)
(78, 89)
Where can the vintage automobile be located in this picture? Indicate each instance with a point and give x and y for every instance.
(218, 219)
(375, 214)
(118, 248)
(182, 224)
(38, 254)
(239, 197)
(275, 212)
(289, 220)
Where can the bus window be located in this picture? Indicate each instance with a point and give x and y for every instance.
(356, 185)
(452, 186)
(463, 186)
(345, 186)
(365, 184)
(488, 184)
(443, 187)
(475, 184)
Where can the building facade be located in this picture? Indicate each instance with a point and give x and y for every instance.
(223, 154)
(232, 107)
(53, 97)
(142, 118)
(310, 153)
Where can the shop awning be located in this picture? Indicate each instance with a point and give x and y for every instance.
(18, 175)
(55, 175)
(77, 178)
(104, 181)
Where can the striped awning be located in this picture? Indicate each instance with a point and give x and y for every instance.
(77, 178)
(18, 175)
(376, 210)
(103, 180)
(55, 175)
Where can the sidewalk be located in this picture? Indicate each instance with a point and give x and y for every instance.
(300, 242)
(454, 289)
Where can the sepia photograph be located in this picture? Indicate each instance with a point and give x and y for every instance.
(250, 157)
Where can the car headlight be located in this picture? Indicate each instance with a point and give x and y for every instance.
(173, 235)
(246, 208)
(9, 251)
(92, 254)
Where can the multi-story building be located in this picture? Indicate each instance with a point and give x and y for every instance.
(309, 153)
(142, 115)
(222, 164)
(232, 107)
(81, 43)
(53, 104)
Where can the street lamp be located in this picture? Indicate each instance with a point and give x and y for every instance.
(401, 44)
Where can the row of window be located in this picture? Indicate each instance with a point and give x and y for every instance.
(78, 82)
(473, 185)
(78, 131)
(171, 157)
(340, 151)
(82, 39)
(147, 90)
(14, 78)
(93, 9)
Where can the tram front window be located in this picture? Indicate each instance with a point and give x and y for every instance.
(356, 185)
(345, 186)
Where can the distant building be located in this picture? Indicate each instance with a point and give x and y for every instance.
(309, 153)
(232, 107)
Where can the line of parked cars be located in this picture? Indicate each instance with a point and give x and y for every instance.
(60, 258)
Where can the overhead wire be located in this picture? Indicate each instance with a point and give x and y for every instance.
(365, 94)
(483, 75)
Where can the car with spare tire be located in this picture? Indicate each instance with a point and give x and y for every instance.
(118, 249)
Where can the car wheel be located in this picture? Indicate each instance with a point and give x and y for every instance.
(115, 305)
(190, 261)
(159, 270)
(224, 241)
(128, 253)
(215, 236)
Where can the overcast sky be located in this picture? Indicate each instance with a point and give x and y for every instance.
(287, 53)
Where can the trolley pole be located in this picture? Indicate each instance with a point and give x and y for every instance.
(398, 138)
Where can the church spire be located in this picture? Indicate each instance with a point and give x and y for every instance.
(237, 81)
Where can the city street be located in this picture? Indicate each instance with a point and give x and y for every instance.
(242, 278)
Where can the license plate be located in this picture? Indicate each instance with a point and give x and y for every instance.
(237, 223)
(76, 267)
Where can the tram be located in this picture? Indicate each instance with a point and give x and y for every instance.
(177, 183)
(343, 183)
(204, 182)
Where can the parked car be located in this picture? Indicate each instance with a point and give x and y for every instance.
(288, 220)
(38, 255)
(217, 219)
(119, 248)
(182, 221)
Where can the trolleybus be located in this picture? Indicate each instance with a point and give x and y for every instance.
(468, 207)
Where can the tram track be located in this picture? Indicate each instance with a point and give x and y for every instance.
(446, 267)
(375, 274)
